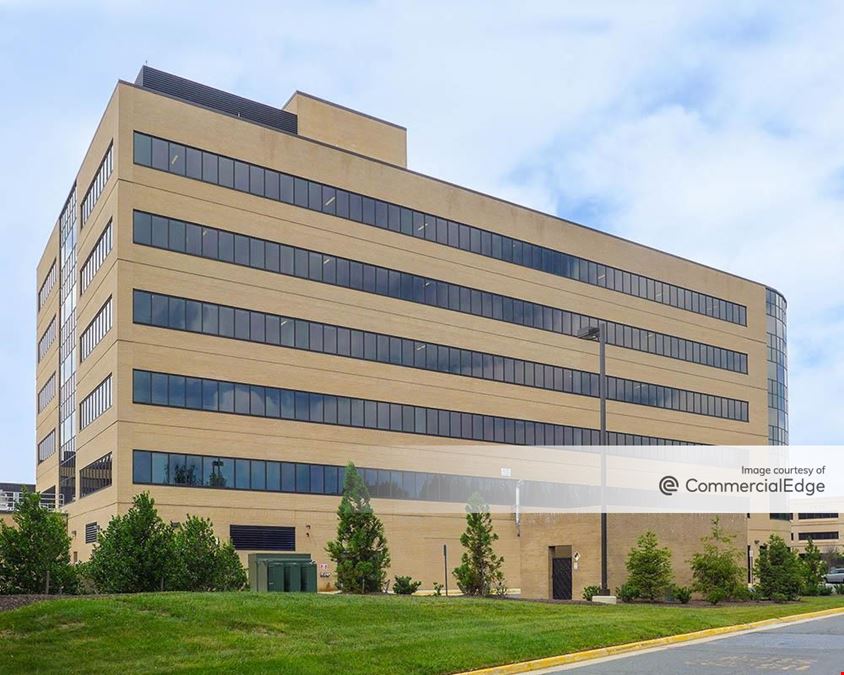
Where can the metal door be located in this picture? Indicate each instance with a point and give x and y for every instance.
(561, 578)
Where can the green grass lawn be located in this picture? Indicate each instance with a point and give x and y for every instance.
(303, 633)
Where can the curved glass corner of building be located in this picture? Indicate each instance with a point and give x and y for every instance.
(775, 308)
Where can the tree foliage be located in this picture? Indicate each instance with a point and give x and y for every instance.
(716, 572)
(360, 550)
(135, 553)
(138, 552)
(814, 568)
(35, 552)
(778, 570)
(479, 572)
(201, 562)
(649, 567)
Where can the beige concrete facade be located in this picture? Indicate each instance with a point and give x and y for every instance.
(362, 154)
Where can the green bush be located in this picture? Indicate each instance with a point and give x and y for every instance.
(716, 572)
(479, 572)
(682, 594)
(590, 591)
(743, 593)
(779, 597)
(716, 595)
(231, 576)
(35, 553)
(405, 586)
(823, 589)
(438, 588)
(360, 551)
(135, 553)
(649, 567)
(627, 592)
(201, 562)
(779, 570)
(813, 569)
(839, 588)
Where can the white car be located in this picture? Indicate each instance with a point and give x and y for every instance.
(835, 575)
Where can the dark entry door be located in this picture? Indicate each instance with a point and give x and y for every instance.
(561, 578)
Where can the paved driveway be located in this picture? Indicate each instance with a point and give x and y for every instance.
(809, 647)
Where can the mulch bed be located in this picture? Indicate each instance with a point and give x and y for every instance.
(14, 601)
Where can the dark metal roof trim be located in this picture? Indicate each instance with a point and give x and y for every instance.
(216, 99)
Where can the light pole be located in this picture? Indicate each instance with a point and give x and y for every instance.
(597, 334)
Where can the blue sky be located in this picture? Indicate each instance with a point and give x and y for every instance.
(713, 130)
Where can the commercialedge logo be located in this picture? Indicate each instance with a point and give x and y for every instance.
(668, 485)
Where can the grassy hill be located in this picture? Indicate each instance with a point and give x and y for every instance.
(302, 633)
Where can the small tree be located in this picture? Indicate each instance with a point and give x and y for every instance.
(35, 553)
(360, 551)
(814, 568)
(135, 552)
(201, 563)
(231, 575)
(716, 572)
(778, 571)
(649, 567)
(479, 572)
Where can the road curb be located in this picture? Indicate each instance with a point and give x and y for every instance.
(614, 650)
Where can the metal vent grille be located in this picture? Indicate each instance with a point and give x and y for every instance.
(91, 530)
(188, 90)
(263, 538)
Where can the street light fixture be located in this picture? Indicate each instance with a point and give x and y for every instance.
(598, 334)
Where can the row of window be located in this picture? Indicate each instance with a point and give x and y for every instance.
(98, 184)
(95, 403)
(207, 242)
(211, 471)
(817, 536)
(813, 516)
(197, 393)
(47, 339)
(177, 313)
(47, 285)
(96, 331)
(95, 259)
(219, 170)
(47, 392)
(47, 446)
(95, 476)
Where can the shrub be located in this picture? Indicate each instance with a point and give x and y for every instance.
(627, 592)
(743, 594)
(438, 588)
(839, 588)
(590, 591)
(135, 553)
(649, 567)
(360, 551)
(201, 562)
(231, 576)
(35, 553)
(779, 570)
(813, 568)
(716, 572)
(405, 586)
(823, 589)
(779, 597)
(682, 594)
(479, 572)
(715, 595)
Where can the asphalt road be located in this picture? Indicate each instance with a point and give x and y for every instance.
(809, 647)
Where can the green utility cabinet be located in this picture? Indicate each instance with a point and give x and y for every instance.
(282, 573)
